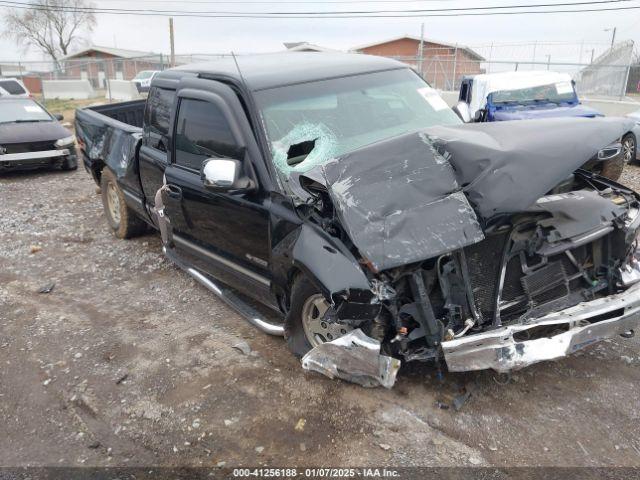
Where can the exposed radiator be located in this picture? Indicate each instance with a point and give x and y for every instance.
(483, 261)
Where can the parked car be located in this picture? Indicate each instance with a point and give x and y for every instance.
(13, 87)
(143, 80)
(31, 137)
(497, 97)
(341, 191)
(630, 149)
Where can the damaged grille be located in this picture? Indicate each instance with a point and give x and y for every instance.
(532, 285)
(483, 261)
(29, 147)
(558, 283)
(546, 284)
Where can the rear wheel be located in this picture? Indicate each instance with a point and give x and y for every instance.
(305, 324)
(122, 220)
(629, 148)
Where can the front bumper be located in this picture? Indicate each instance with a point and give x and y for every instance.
(504, 348)
(36, 159)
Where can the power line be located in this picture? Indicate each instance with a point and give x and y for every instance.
(328, 12)
(277, 2)
(323, 15)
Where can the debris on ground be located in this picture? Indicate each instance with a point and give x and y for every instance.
(354, 357)
(300, 425)
(242, 346)
(47, 288)
(35, 248)
(460, 400)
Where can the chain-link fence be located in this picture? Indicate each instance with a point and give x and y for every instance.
(596, 68)
(611, 74)
(98, 72)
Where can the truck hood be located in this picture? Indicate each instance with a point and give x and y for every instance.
(425, 193)
(31, 132)
(546, 111)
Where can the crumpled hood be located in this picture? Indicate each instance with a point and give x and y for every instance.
(419, 195)
(524, 113)
(31, 132)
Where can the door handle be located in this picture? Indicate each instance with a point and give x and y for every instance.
(174, 191)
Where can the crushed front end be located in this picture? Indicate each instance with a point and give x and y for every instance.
(483, 246)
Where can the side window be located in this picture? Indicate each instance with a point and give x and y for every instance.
(464, 92)
(157, 117)
(202, 132)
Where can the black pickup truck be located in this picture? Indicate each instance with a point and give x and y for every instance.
(342, 192)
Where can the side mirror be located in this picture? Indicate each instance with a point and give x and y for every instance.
(223, 174)
(462, 110)
(59, 117)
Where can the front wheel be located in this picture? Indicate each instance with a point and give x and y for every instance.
(69, 164)
(122, 220)
(305, 325)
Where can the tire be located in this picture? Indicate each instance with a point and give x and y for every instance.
(69, 164)
(629, 147)
(122, 220)
(612, 169)
(308, 303)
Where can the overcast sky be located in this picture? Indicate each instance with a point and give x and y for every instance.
(219, 35)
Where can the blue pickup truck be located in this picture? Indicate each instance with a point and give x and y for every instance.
(528, 95)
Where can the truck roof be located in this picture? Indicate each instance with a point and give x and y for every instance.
(279, 69)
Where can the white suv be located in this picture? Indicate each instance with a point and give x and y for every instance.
(12, 87)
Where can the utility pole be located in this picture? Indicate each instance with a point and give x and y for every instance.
(535, 44)
(548, 61)
(173, 51)
(613, 37)
(581, 49)
(490, 53)
(421, 50)
(593, 50)
(613, 34)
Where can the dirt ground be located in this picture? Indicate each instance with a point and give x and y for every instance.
(129, 362)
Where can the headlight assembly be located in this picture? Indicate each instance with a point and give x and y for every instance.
(66, 141)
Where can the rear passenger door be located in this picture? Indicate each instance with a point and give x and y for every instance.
(155, 139)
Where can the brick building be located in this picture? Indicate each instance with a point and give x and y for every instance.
(97, 63)
(443, 64)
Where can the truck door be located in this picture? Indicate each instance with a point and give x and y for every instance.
(155, 138)
(224, 233)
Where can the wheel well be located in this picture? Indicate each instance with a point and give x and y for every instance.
(292, 274)
(96, 170)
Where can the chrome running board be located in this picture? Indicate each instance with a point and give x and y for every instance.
(229, 297)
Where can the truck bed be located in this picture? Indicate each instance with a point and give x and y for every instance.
(109, 137)
(130, 113)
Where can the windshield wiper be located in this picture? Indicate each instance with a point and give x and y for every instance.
(27, 121)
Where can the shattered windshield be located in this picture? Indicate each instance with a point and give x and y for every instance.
(554, 93)
(312, 123)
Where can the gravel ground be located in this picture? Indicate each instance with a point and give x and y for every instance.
(129, 362)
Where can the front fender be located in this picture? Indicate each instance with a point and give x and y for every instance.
(330, 267)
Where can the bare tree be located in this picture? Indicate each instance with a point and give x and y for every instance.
(52, 26)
